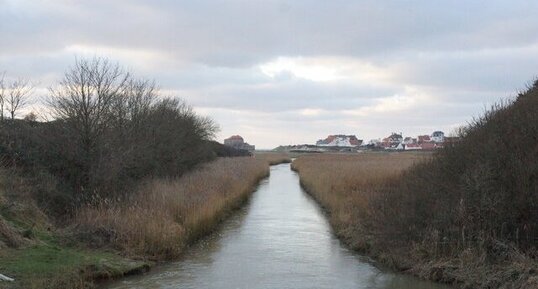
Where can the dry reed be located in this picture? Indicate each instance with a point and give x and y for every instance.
(165, 215)
(345, 184)
(273, 158)
(373, 210)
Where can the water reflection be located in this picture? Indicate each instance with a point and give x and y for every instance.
(280, 239)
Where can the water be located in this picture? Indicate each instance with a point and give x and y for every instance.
(281, 239)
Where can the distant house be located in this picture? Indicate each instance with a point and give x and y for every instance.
(393, 141)
(339, 140)
(395, 138)
(429, 146)
(438, 136)
(424, 139)
(375, 142)
(413, 146)
(409, 141)
(237, 142)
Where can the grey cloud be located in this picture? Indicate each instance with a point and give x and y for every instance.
(236, 33)
(461, 55)
(288, 95)
(498, 70)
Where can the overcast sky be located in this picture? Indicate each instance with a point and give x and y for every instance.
(288, 72)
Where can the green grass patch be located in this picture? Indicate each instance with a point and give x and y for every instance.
(50, 264)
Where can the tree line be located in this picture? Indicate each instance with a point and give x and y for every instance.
(108, 130)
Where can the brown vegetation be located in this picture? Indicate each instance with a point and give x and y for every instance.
(357, 193)
(273, 158)
(156, 222)
(346, 184)
(120, 167)
(165, 215)
(468, 215)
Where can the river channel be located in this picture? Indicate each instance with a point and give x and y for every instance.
(280, 239)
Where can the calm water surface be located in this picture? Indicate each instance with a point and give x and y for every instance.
(281, 239)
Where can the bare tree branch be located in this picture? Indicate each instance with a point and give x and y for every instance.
(2, 95)
(17, 95)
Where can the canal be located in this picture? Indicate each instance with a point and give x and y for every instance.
(280, 239)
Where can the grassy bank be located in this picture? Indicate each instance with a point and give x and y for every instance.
(355, 191)
(345, 185)
(37, 254)
(112, 238)
(166, 215)
(465, 215)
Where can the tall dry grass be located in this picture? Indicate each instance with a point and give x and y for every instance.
(347, 184)
(165, 215)
(273, 158)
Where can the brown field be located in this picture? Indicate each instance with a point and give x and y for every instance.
(165, 215)
(273, 158)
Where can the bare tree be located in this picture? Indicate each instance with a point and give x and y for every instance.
(135, 103)
(85, 100)
(87, 94)
(17, 95)
(113, 128)
(2, 95)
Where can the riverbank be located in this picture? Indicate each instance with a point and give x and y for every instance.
(356, 192)
(345, 184)
(280, 239)
(113, 238)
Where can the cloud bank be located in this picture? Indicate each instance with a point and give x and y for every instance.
(282, 72)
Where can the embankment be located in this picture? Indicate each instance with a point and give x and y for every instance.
(113, 238)
(166, 215)
(354, 192)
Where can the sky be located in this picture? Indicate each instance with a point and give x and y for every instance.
(291, 72)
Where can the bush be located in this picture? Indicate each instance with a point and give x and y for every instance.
(109, 131)
(483, 188)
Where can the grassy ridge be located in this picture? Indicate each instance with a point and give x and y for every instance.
(34, 251)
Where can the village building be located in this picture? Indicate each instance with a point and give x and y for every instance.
(409, 140)
(237, 142)
(412, 146)
(438, 136)
(393, 141)
(423, 142)
(339, 140)
(424, 139)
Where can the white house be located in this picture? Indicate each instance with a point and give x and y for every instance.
(438, 136)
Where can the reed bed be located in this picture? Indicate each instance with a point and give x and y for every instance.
(166, 215)
(345, 185)
(273, 158)
(399, 208)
